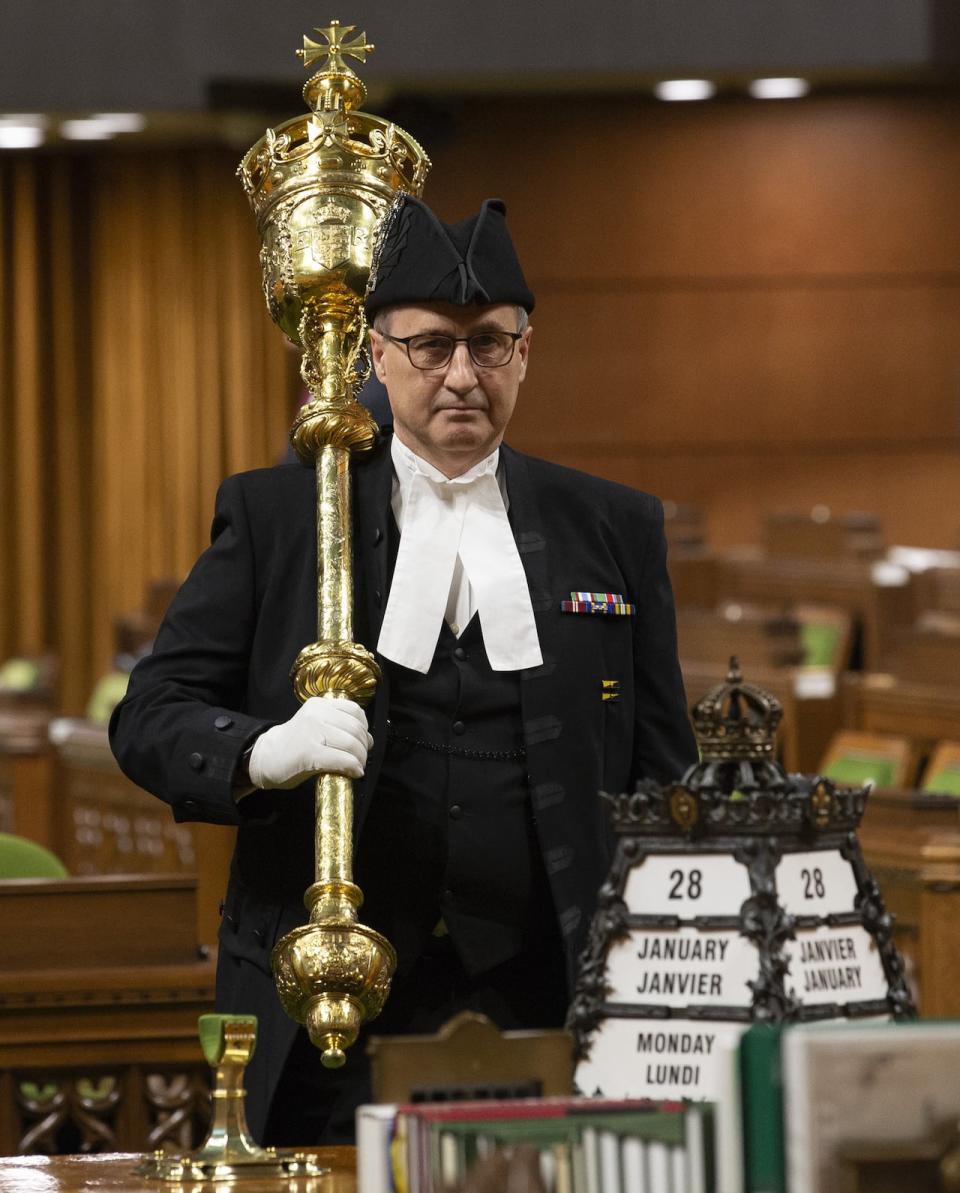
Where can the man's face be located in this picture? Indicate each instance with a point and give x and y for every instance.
(453, 416)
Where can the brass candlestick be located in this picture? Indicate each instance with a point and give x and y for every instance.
(228, 1153)
(319, 185)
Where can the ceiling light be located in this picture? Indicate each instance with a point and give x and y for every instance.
(121, 122)
(19, 136)
(85, 130)
(779, 88)
(684, 89)
(102, 126)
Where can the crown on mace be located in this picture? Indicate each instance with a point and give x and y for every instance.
(335, 140)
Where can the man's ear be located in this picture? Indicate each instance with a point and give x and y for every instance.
(523, 350)
(377, 347)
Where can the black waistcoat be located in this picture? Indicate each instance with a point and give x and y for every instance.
(449, 833)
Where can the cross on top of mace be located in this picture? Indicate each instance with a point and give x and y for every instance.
(337, 46)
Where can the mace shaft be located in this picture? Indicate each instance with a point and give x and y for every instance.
(334, 793)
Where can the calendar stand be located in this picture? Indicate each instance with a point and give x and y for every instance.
(736, 895)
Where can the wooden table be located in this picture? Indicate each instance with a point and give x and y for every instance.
(114, 1173)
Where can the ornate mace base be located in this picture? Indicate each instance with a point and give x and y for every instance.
(333, 974)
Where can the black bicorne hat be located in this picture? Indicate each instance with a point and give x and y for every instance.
(420, 259)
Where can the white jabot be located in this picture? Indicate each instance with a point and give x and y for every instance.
(457, 556)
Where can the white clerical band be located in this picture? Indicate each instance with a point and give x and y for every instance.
(443, 519)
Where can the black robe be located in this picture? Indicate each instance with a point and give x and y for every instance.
(219, 675)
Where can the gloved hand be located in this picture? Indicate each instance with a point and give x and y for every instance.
(322, 736)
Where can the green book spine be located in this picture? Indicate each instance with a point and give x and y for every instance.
(761, 1082)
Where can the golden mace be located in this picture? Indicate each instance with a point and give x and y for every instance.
(320, 185)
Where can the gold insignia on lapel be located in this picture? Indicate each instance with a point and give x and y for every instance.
(609, 689)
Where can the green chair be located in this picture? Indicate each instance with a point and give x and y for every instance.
(856, 758)
(942, 776)
(22, 858)
(109, 691)
(826, 636)
(821, 643)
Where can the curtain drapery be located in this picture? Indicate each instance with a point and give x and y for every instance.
(138, 367)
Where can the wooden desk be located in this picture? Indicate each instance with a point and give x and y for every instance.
(113, 1173)
(104, 824)
(26, 774)
(747, 575)
(100, 989)
(912, 845)
(879, 703)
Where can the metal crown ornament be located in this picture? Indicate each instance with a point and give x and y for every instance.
(320, 185)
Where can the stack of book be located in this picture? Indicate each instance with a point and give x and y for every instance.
(809, 1108)
(585, 1145)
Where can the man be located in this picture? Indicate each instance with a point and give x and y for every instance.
(522, 615)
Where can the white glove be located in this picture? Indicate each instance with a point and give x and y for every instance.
(323, 736)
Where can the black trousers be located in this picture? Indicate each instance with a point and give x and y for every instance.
(314, 1105)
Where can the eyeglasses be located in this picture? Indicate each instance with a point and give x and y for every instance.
(488, 349)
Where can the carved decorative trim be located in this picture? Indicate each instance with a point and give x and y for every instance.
(84, 1111)
(764, 922)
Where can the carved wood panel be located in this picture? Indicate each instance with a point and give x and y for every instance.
(114, 1109)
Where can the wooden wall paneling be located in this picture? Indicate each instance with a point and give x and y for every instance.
(114, 306)
(136, 403)
(101, 350)
(249, 408)
(833, 186)
(250, 344)
(209, 360)
(66, 538)
(198, 335)
(27, 352)
(156, 356)
(279, 384)
(237, 412)
(747, 305)
(163, 347)
(5, 389)
(913, 489)
(7, 594)
(743, 368)
(178, 306)
(768, 293)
